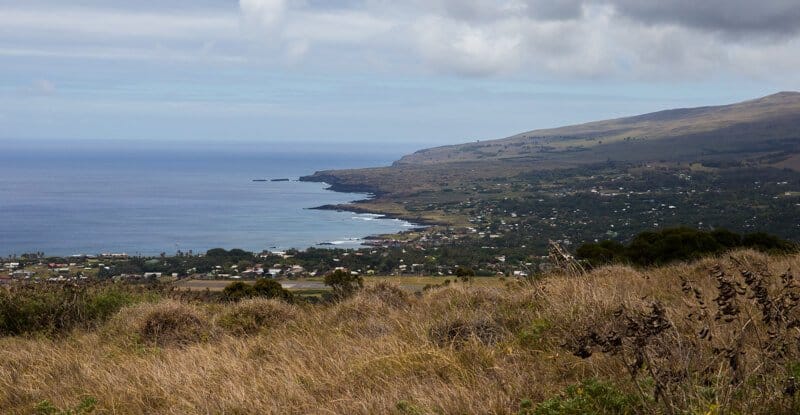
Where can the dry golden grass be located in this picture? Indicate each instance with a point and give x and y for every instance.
(452, 350)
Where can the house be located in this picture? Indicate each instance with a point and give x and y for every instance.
(282, 254)
(21, 274)
(114, 255)
(152, 275)
(11, 265)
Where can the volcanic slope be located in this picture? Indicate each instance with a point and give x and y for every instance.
(757, 141)
(748, 129)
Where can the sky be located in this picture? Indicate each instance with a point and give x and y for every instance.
(379, 71)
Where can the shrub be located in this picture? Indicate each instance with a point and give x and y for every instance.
(589, 397)
(713, 338)
(264, 287)
(237, 291)
(768, 243)
(604, 252)
(678, 244)
(162, 324)
(86, 406)
(531, 336)
(57, 308)
(268, 288)
(389, 294)
(408, 408)
(464, 273)
(343, 283)
(251, 315)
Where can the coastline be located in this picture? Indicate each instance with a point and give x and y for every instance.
(336, 184)
(419, 222)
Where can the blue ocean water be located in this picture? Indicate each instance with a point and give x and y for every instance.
(82, 197)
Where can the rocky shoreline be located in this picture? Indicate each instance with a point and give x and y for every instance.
(418, 221)
(336, 184)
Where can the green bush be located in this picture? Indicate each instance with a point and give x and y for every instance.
(464, 273)
(343, 283)
(589, 397)
(86, 406)
(237, 291)
(408, 408)
(678, 244)
(56, 308)
(269, 288)
(604, 252)
(531, 336)
(767, 243)
(264, 287)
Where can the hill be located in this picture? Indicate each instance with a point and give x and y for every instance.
(750, 129)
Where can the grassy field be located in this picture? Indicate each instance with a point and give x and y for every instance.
(685, 338)
(316, 284)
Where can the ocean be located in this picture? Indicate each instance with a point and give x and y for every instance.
(68, 197)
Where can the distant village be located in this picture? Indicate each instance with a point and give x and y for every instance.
(423, 252)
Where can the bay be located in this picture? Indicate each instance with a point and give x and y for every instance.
(66, 197)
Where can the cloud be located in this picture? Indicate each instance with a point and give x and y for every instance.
(468, 49)
(533, 39)
(104, 25)
(267, 14)
(618, 39)
(489, 10)
(731, 17)
(337, 27)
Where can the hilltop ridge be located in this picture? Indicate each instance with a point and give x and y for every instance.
(755, 126)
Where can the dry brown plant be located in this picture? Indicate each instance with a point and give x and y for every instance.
(718, 334)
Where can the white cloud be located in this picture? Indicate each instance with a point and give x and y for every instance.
(466, 48)
(100, 24)
(538, 39)
(267, 14)
(338, 27)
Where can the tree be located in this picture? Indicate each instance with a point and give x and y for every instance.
(605, 252)
(264, 287)
(237, 291)
(343, 283)
(267, 287)
(464, 274)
